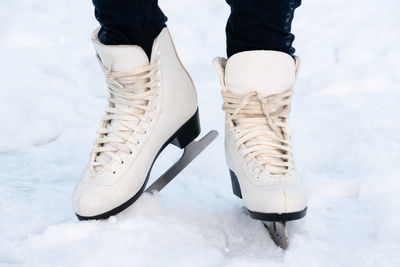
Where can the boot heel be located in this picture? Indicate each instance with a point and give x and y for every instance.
(188, 132)
(235, 185)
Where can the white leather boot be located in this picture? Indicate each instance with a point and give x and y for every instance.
(257, 91)
(150, 105)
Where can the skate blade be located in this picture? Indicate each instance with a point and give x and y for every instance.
(190, 152)
(278, 233)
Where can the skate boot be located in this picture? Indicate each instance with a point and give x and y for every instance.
(151, 103)
(257, 89)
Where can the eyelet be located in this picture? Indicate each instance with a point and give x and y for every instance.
(122, 162)
(113, 172)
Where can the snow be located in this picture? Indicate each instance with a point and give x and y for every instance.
(345, 125)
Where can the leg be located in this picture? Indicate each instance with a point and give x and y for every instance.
(257, 86)
(260, 25)
(152, 102)
(129, 22)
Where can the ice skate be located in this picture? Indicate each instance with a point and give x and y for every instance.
(152, 103)
(257, 87)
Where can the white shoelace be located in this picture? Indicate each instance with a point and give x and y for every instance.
(130, 95)
(260, 127)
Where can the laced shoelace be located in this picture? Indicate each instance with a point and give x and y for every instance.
(130, 95)
(261, 130)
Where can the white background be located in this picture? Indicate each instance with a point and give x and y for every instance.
(345, 125)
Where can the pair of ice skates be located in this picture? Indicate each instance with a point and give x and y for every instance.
(153, 103)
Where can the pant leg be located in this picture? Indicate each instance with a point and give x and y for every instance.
(129, 22)
(260, 25)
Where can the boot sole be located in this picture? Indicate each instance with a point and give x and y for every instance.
(181, 138)
(271, 217)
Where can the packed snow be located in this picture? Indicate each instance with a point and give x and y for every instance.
(345, 126)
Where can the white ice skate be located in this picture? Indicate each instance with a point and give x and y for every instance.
(257, 87)
(151, 104)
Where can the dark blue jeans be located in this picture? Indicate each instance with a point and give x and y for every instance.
(252, 24)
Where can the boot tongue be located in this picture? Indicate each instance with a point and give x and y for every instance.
(120, 57)
(266, 72)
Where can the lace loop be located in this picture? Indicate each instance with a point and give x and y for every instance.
(131, 94)
(259, 124)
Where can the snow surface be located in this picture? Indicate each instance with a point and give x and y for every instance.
(345, 124)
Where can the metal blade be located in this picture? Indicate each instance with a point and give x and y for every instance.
(190, 152)
(278, 233)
